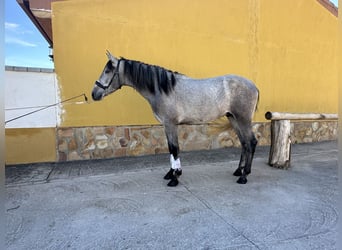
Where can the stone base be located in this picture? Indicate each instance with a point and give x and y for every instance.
(80, 143)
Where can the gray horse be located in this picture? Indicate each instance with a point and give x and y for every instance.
(177, 99)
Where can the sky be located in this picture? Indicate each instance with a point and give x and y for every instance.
(24, 45)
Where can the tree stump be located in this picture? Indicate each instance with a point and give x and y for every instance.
(280, 151)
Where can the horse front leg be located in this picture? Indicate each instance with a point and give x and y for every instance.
(172, 141)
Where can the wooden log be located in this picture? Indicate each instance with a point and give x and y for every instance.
(280, 151)
(299, 116)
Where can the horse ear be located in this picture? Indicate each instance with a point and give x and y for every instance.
(111, 57)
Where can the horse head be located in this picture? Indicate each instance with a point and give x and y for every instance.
(109, 80)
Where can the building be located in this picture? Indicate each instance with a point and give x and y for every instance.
(288, 48)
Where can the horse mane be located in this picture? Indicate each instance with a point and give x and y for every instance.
(149, 77)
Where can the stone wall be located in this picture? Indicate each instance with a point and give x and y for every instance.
(304, 132)
(80, 143)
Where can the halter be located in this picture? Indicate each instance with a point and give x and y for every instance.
(116, 72)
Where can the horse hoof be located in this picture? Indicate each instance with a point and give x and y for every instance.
(178, 172)
(242, 180)
(169, 175)
(173, 183)
(238, 172)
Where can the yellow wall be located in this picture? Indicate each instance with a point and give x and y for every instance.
(289, 48)
(28, 145)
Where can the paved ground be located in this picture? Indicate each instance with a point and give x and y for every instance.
(125, 204)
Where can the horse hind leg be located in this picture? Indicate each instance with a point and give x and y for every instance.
(238, 171)
(252, 143)
(248, 144)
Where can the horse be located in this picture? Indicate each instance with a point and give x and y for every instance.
(177, 99)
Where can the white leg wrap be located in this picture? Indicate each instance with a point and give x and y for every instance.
(175, 164)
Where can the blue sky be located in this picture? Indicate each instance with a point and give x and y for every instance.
(24, 45)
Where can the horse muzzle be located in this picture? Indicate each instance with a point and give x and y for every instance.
(97, 93)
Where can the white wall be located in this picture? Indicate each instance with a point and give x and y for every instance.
(26, 90)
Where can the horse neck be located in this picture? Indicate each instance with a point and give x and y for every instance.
(125, 81)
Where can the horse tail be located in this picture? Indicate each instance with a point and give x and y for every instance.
(257, 102)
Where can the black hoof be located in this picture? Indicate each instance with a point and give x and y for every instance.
(172, 173)
(242, 180)
(174, 182)
(169, 175)
(238, 172)
(178, 172)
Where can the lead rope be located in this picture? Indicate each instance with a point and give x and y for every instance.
(49, 106)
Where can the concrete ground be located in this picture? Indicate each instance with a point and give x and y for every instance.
(125, 204)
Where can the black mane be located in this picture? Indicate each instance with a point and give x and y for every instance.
(149, 77)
